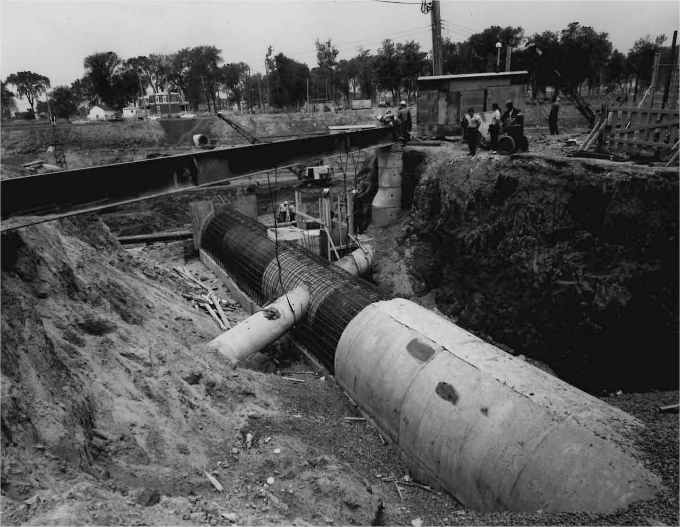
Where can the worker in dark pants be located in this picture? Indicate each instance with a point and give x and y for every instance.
(552, 118)
(473, 122)
(404, 122)
(495, 126)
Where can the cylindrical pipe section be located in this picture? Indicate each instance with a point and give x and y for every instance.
(201, 140)
(265, 270)
(358, 262)
(494, 431)
(386, 204)
(264, 327)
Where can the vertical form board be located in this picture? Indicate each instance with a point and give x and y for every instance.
(200, 211)
(494, 431)
(442, 106)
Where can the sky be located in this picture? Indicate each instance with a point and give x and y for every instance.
(52, 37)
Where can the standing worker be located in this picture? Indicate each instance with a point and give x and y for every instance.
(291, 212)
(283, 212)
(404, 122)
(495, 126)
(473, 122)
(552, 118)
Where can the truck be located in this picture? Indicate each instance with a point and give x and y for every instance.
(316, 176)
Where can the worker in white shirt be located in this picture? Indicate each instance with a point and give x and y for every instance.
(473, 122)
(284, 215)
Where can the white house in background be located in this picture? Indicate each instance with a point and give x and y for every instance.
(134, 112)
(102, 112)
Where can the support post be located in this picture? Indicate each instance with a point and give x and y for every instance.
(671, 71)
(436, 39)
(200, 210)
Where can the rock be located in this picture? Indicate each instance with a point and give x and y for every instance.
(230, 516)
(417, 522)
(270, 481)
(148, 497)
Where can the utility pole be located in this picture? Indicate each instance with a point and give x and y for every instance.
(436, 38)
(508, 55)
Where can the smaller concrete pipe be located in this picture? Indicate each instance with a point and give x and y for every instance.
(357, 263)
(386, 204)
(201, 140)
(264, 327)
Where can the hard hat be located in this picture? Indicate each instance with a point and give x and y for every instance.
(403, 102)
(558, 99)
(285, 203)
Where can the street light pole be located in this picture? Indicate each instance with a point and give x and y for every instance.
(498, 56)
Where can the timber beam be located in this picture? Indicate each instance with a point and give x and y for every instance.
(37, 198)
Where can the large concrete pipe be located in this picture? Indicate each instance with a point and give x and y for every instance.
(386, 204)
(358, 262)
(494, 431)
(264, 327)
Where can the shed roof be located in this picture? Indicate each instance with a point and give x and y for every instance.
(466, 76)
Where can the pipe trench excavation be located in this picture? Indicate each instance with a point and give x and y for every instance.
(492, 430)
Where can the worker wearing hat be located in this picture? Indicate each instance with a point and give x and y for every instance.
(404, 123)
(511, 117)
(283, 211)
(552, 118)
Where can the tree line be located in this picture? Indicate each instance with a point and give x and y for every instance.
(576, 58)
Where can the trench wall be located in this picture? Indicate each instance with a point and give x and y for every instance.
(574, 263)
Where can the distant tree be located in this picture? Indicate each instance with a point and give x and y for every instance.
(367, 81)
(152, 70)
(8, 103)
(289, 81)
(543, 61)
(29, 85)
(83, 91)
(63, 102)
(326, 54)
(100, 69)
(389, 68)
(414, 65)
(235, 78)
(641, 58)
(617, 71)
(584, 54)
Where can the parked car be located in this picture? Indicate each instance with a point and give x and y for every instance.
(155, 117)
(187, 115)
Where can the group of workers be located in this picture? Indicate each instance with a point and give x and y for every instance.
(401, 123)
(505, 123)
(286, 212)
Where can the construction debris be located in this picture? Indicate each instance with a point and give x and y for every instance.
(215, 483)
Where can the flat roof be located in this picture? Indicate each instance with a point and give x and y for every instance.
(472, 76)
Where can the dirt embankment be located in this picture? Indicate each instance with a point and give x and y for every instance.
(113, 409)
(573, 263)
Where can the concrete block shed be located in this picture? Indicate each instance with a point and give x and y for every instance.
(444, 99)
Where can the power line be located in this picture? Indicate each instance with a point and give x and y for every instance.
(396, 2)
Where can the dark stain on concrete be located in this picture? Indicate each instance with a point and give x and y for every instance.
(485, 411)
(419, 350)
(447, 392)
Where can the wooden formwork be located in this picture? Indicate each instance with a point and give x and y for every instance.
(631, 130)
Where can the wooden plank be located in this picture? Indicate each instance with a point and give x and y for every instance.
(648, 131)
(643, 143)
(673, 160)
(645, 127)
(656, 111)
(223, 317)
(214, 315)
